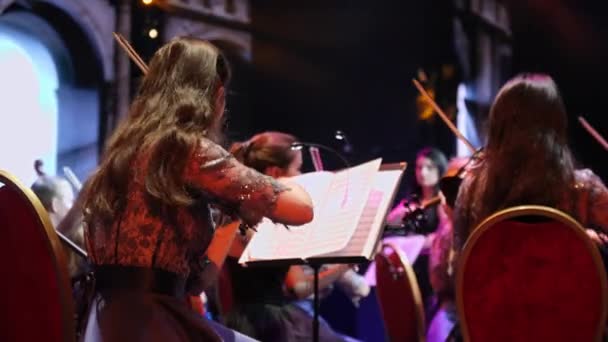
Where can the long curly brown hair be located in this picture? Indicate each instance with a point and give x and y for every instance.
(176, 105)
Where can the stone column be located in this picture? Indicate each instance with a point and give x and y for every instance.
(122, 64)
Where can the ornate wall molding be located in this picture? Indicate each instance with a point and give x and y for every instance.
(95, 17)
(177, 26)
(230, 10)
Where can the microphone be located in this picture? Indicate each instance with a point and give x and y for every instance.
(340, 135)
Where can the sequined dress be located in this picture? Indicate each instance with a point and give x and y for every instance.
(146, 236)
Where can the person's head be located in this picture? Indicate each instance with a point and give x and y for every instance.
(527, 157)
(56, 195)
(528, 112)
(180, 100)
(182, 92)
(270, 153)
(430, 167)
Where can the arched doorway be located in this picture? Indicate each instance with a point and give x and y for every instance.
(28, 109)
(63, 108)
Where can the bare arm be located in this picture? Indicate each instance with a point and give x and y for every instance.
(396, 215)
(293, 206)
(301, 285)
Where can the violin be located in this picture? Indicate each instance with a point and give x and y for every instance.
(449, 184)
(415, 218)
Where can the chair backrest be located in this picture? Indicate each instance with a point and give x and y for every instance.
(36, 303)
(399, 295)
(530, 273)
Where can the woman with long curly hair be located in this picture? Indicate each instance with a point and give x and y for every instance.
(528, 137)
(147, 207)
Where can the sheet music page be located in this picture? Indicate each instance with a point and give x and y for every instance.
(346, 199)
(386, 183)
(338, 199)
(274, 241)
(374, 214)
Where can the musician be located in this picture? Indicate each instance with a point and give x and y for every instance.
(264, 297)
(57, 197)
(146, 208)
(528, 137)
(431, 165)
(527, 140)
(55, 194)
(440, 272)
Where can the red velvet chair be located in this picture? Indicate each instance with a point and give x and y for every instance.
(36, 303)
(399, 296)
(530, 273)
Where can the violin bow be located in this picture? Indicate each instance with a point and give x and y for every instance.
(595, 134)
(442, 115)
(126, 46)
(71, 177)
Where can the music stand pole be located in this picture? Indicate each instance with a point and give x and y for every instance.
(316, 303)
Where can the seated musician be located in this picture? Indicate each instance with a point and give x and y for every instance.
(528, 136)
(264, 297)
(147, 207)
(57, 197)
(430, 167)
(440, 271)
(527, 161)
(55, 194)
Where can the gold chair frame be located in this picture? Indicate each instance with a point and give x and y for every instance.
(409, 274)
(531, 210)
(55, 249)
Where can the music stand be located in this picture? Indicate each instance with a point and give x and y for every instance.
(272, 245)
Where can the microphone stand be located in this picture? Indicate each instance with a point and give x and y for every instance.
(299, 145)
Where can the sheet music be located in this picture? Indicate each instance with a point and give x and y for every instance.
(347, 198)
(373, 216)
(274, 240)
(386, 183)
(338, 201)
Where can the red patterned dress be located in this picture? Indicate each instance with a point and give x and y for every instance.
(172, 242)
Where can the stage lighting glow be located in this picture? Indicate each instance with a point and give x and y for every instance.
(153, 33)
(147, 2)
(29, 111)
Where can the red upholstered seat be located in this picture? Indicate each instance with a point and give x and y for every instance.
(399, 296)
(530, 273)
(36, 294)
